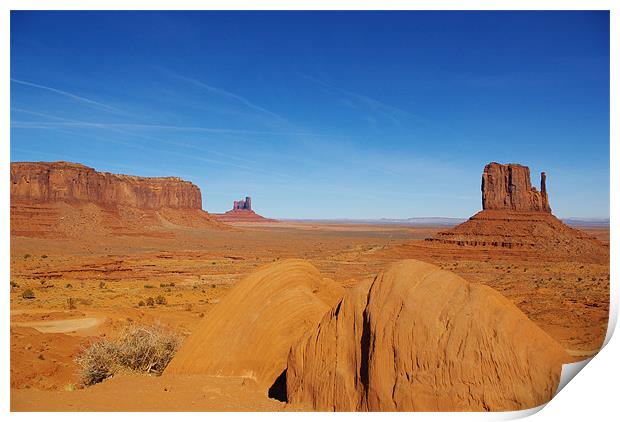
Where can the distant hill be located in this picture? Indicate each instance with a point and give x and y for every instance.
(586, 222)
(413, 221)
(438, 221)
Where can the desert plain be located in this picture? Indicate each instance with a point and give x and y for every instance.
(90, 284)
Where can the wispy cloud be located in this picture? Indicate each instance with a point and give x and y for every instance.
(227, 94)
(76, 97)
(64, 123)
(43, 125)
(354, 99)
(137, 135)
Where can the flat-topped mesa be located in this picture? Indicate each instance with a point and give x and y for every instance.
(508, 187)
(71, 182)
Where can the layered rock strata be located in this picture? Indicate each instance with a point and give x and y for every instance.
(71, 182)
(69, 200)
(508, 187)
(516, 215)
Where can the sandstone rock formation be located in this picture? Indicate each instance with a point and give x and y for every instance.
(516, 215)
(242, 213)
(421, 339)
(508, 187)
(243, 204)
(64, 199)
(250, 332)
(71, 182)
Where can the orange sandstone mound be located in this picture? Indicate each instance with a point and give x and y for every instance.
(250, 332)
(418, 338)
(516, 215)
(62, 199)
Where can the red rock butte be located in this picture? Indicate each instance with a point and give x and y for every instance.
(508, 187)
(517, 215)
(55, 198)
(242, 212)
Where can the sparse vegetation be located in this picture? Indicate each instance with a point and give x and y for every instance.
(161, 300)
(28, 294)
(150, 301)
(43, 256)
(102, 284)
(14, 284)
(71, 303)
(68, 286)
(141, 303)
(26, 256)
(143, 349)
(149, 286)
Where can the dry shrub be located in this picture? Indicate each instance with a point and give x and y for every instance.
(139, 349)
(28, 294)
(71, 303)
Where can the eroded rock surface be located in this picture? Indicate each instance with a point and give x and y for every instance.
(508, 187)
(250, 332)
(71, 182)
(67, 200)
(516, 215)
(418, 338)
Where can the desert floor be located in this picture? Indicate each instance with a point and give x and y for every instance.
(92, 287)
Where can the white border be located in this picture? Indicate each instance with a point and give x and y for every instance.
(590, 396)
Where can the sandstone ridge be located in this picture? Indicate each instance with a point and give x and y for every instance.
(418, 338)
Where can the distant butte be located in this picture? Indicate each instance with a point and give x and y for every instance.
(516, 215)
(242, 212)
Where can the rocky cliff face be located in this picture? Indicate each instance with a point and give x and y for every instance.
(70, 182)
(508, 187)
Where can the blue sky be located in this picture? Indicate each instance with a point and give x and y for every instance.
(321, 114)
